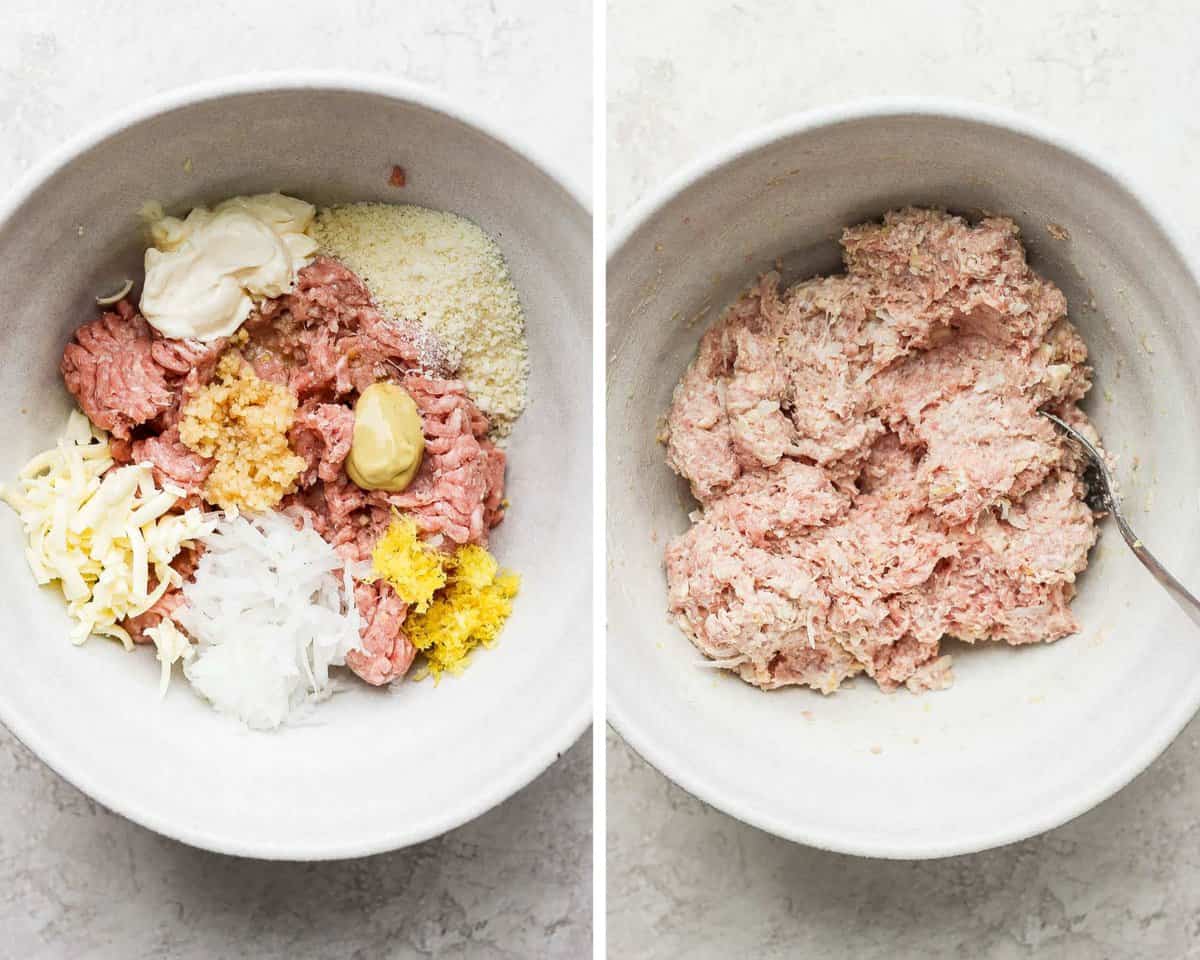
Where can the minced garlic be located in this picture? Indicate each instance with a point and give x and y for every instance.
(241, 421)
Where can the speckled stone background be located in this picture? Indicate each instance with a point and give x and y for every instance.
(1120, 882)
(78, 882)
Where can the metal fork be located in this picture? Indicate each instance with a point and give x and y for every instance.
(1101, 497)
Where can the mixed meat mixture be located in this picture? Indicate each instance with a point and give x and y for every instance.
(871, 470)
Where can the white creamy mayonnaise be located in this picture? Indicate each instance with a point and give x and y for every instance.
(204, 272)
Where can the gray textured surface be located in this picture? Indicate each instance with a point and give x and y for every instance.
(1119, 882)
(76, 881)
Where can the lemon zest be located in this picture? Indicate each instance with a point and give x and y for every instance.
(415, 570)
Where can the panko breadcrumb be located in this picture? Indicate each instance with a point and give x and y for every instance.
(444, 272)
(241, 421)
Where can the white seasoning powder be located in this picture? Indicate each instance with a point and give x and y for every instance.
(445, 273)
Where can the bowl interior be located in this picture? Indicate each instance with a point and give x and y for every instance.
(1025, 739)
(371, 770)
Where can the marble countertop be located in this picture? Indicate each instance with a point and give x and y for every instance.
(1123, 881)
(75, 880)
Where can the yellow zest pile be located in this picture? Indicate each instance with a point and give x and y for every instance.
(241, 421)
(413, 568)
(458, 600)
(104, 535)
(469, 612)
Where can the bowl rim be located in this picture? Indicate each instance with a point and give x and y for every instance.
(532, 760)
(692, 777)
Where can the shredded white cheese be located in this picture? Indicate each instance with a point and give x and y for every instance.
(99, 533)
(171, 646)
(443, 272)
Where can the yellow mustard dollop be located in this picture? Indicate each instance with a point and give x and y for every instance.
(388, 440)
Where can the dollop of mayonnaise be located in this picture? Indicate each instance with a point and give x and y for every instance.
(205, 272)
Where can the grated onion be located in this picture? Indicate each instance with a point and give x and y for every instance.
(272, 609)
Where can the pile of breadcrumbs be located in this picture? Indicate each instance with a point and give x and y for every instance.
(444, 272)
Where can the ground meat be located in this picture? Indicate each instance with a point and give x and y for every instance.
(772, 505)
(934, 675)
(326, 340)
(120, 449)
(173, 463)
(386, 653)
(458, 494)
(191, 360)
(700, 442)
(460, 488)
(749, 608)
(321, 434)
(122, 373)
(184, 564)
(165, 606)
(872, 472)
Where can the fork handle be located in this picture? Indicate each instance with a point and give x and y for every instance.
(1182, 595)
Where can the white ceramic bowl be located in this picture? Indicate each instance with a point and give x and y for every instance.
(1026, 739)
(372, 770)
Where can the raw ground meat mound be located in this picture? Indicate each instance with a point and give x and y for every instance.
(123, 373)
(872, 472)
(326, 342)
